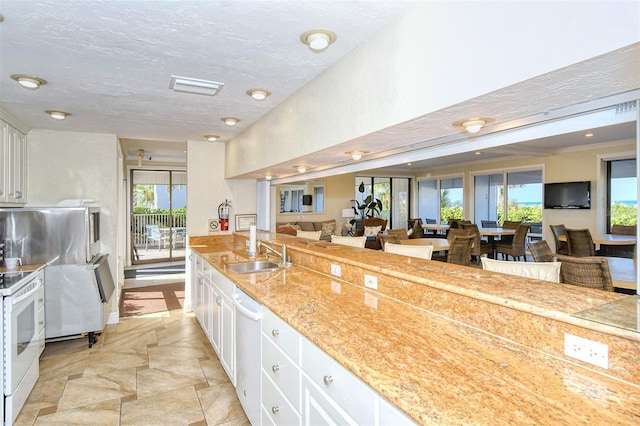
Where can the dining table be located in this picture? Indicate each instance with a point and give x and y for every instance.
(439, 228)
(492, 233)
(608, 240)
(439, 244)
(624, 272)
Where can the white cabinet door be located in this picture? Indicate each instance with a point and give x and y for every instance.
(227, 337)
(18, 167)
(318, 409)
(216, 318)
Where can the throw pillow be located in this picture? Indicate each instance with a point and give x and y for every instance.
(372, 231)
(328, 229)
(289, 230)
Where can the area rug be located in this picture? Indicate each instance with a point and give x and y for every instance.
(152, 299)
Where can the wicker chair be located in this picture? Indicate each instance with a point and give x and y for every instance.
(516, 247)
(509, 224)
(460, 249)
(373, 243)
(558, 232)
(591, 271)
(393, 236)
(540, 251)
(480, 246)
(623, 230)
(416, 225)
(580, 243)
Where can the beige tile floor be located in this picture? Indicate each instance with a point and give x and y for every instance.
(157, 369)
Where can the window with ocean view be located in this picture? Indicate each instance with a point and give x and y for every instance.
(622, 200)
(441, 199)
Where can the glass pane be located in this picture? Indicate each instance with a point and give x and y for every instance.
(624, 196)
(428, 200)
(488, 198)
(382, 191)
(524, 196)
(400, 208)
(451, 199)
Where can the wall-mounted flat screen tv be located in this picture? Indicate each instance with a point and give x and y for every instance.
(306, 200)
(567, 195)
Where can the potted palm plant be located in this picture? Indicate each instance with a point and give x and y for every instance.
(369, 207)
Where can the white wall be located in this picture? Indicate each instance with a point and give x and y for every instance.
(207, 187)
(72, 165)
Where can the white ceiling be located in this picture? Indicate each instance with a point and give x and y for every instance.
(109, 63)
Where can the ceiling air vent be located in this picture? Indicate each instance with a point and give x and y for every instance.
(194, 85)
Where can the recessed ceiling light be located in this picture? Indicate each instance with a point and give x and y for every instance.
(230, 121)
(473, 125)
(477, 153)
(588, 135)
(356, 155)
(318, 40)
(58, 115)
(194, 85)
(28, 82)
(211, 138)
(268, 177)
(301, 168)
(258, 94)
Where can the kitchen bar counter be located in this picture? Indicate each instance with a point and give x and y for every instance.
(445, 343)
(21, 268)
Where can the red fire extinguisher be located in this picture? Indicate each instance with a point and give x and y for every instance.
(223, 214)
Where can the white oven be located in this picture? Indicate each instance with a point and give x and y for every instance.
(23, 342)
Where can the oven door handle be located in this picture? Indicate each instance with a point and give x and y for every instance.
(29, 293)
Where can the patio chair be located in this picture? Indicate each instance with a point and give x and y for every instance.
(154, 236)
(590, 271)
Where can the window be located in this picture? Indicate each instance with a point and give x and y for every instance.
(622, 200)
(521, 201)
(392, 192)
(441, 199)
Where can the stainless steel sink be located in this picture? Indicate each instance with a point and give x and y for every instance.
(253, 266)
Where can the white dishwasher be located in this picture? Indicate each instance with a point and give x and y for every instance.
(248, 353)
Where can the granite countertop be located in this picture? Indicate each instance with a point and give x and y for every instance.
(434, 368)
(22, 268)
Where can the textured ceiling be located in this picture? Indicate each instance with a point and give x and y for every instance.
(109, 63)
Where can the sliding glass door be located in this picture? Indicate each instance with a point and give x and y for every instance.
(158, 215)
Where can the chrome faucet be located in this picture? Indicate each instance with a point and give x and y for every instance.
(282, 254)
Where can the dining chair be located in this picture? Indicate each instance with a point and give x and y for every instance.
(431, 222)
(540, 251)
(310, 235)
(623, 230)
(489, 223)
(516, 247)
(460, 249)
(422, 252)
(580, 243)
(589, 271)
(509, 224)
(480, 246)
(369, 227)
(393, 236)
(349, 241)
(416, 228)
(559, 236)
(547, 271)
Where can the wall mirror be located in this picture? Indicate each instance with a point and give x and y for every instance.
(302, 197)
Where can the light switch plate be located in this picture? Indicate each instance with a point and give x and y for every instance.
(335, 270)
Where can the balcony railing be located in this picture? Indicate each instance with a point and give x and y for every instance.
(163, 220)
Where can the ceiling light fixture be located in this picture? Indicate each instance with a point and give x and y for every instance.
(588, 135)
(194, 85)
(473, 125)
(356, 155)
(211, 138)
(29, 82)
(230, 121)
(140, 156)
(301, 168)
(58, 115)
(258, 94)
(267, 177)
(318, 40)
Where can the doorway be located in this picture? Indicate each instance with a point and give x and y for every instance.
(158, 200)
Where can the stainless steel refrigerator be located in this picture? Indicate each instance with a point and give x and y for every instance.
(79, 286)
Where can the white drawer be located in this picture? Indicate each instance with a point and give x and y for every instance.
(276, 406)
(284, 373)
(349, 392)
(282, 334)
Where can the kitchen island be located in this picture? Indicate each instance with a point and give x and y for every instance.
(447, 344)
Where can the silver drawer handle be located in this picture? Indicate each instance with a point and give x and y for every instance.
(275, 409)
(275, 368)
(275, 332)
(327, 380)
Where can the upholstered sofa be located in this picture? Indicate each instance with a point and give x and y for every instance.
(328, 228)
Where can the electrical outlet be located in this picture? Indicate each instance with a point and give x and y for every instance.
(335, 270)
(586, 350)
(371, 281)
